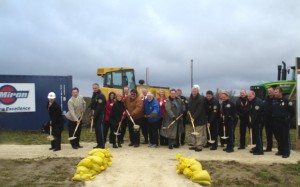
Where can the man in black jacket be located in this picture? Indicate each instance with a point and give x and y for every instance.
(56, 121)
(283, 111)
(212, 111)
(198, 113)
(98, 104)
(184, 117)
(229, 117)
(242, 110)
(267, 119)
(255, 118)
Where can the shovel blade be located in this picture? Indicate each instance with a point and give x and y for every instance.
(136, 126)
(224, 137)
(50, 138)
(117, 134)
(211, 141)
(72, 138)
(195, 133)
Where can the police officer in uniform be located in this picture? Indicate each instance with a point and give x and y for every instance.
(255, 119)
(242, 110)
(229, 116)
(212, 111)
(98, 104)
(282, 112)
(267, 118)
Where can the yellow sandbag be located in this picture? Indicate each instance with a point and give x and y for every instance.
(201, 176)
(82, 169)
(95, 151)
(196, 167)
(85, 162)
(97, 168)
(96, 159)
(84, 177)
(99, 154)
(187, 172)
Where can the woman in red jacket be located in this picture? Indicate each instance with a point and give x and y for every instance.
(109, 103)
(162, 103)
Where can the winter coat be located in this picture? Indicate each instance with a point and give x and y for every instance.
(197, 109)
(152, 108)
(135, 107)
(174, 108)
(109, 106)
(162, 104)
(116, 112)
(55, 114)
(76, 108)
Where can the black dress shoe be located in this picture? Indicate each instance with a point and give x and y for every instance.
(176, 146)
(79, 146)
(170, 146)
(229, 151)
(56, 149)
(145, 142)
(131, 144)
(213, 148)
(136, 145)
(119, 145)
(285, 156)
(51, 148)
(268, 150)
(258, 153)
(115, 146)
(74, 147)
(96, 147)
(278, 154)
(192, 148)
(198, 150)
(225, 149)
(241, 148)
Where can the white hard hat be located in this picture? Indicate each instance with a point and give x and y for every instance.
(51, 95)
(196, 86)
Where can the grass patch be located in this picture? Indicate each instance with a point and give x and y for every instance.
(267, 176)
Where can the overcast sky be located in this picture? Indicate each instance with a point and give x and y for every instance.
(233, 43)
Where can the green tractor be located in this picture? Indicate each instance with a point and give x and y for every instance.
(288, 86)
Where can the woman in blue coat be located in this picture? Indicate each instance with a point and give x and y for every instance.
(153, 116)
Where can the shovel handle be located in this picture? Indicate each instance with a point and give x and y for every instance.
(178, 117)
(192, 120)
(130, 117)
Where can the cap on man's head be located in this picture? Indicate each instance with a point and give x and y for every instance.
(51, 95)
(209, 92)
(225, 92)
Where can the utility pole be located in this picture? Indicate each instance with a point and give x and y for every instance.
(191, 73)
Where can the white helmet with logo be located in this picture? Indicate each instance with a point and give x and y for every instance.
(51, 95)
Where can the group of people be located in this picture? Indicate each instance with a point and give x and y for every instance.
(162, 120)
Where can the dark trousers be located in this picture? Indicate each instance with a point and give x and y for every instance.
(243, 129)
(123, 130)
(153, 131)
(144, 129)
(213, 133)
(99, 125)
(221, 132)
(283, 135)
(112, 136)
(72, 126)
(257, 137)
(230, 134)
(270, 130)
(182, 136)
(56, 132)
(162, 140)
(106, 129)
(134, 134)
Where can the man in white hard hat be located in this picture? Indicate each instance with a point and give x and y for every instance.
(56, 121)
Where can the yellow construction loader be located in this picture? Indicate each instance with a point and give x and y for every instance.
(115, 79)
